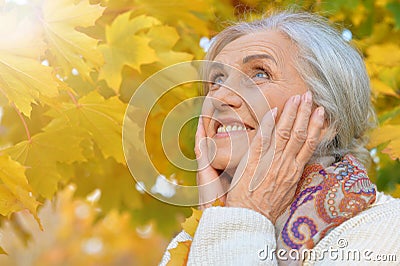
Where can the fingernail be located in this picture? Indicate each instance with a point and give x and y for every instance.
(274, 112)
(308, 97)
(321, 112)
(296, 99)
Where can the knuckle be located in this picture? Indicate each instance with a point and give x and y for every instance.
(312, 143)
(292, 116)
(283, 133)
(300, 135)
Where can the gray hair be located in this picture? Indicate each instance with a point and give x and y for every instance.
(333, 71)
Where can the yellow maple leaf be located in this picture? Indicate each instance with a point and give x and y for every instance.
(15, 192)
(69, 47)
(191, 223)
(109, 175)
(180, 254)
(101, 118)
(23, 80)
(42, 153)
(387, 133)
(126, 47)
(163, 38)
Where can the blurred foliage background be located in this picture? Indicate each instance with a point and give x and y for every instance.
(67, 71)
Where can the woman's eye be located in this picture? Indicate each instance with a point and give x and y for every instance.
(262, 74)
(219, 80)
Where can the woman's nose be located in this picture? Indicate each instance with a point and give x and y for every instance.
(225, 97)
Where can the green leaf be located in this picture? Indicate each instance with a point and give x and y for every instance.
(394, 7)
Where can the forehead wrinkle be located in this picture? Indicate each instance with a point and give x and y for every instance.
(258, 56)
(271, 51)
(271, 42)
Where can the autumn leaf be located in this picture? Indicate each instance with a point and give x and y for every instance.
(163, 38)
(111, 174)
(15, 192)
(100, 118)
(22, 77)
(126, 47)
(191, 223)
(69, 47)
(387, 133)
(180, 254)
(42, 153)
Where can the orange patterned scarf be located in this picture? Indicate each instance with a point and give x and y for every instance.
(325, 198)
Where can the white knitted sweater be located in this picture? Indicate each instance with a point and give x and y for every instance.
(238, 236)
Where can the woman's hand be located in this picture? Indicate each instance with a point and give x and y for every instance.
(208, 179)
(267, 176)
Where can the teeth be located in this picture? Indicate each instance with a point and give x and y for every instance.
(230, 128)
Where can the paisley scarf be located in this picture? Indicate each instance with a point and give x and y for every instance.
(325, 198)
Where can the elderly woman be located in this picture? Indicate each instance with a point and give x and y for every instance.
(285, 151)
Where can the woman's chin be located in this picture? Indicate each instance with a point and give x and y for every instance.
(228, 165)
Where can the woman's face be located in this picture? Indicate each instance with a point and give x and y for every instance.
(236, 103)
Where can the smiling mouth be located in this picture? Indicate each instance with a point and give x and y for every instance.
(222, 129)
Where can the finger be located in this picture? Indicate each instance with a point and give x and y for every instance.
(262, 172)
(299, 131)
(251, 159)
(313, 136)
(207, 111)
(201, 149)
(264, 138)
(200, 135)
(286, 121)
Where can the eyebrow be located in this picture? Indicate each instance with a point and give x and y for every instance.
(216, 65)
(258, 56)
